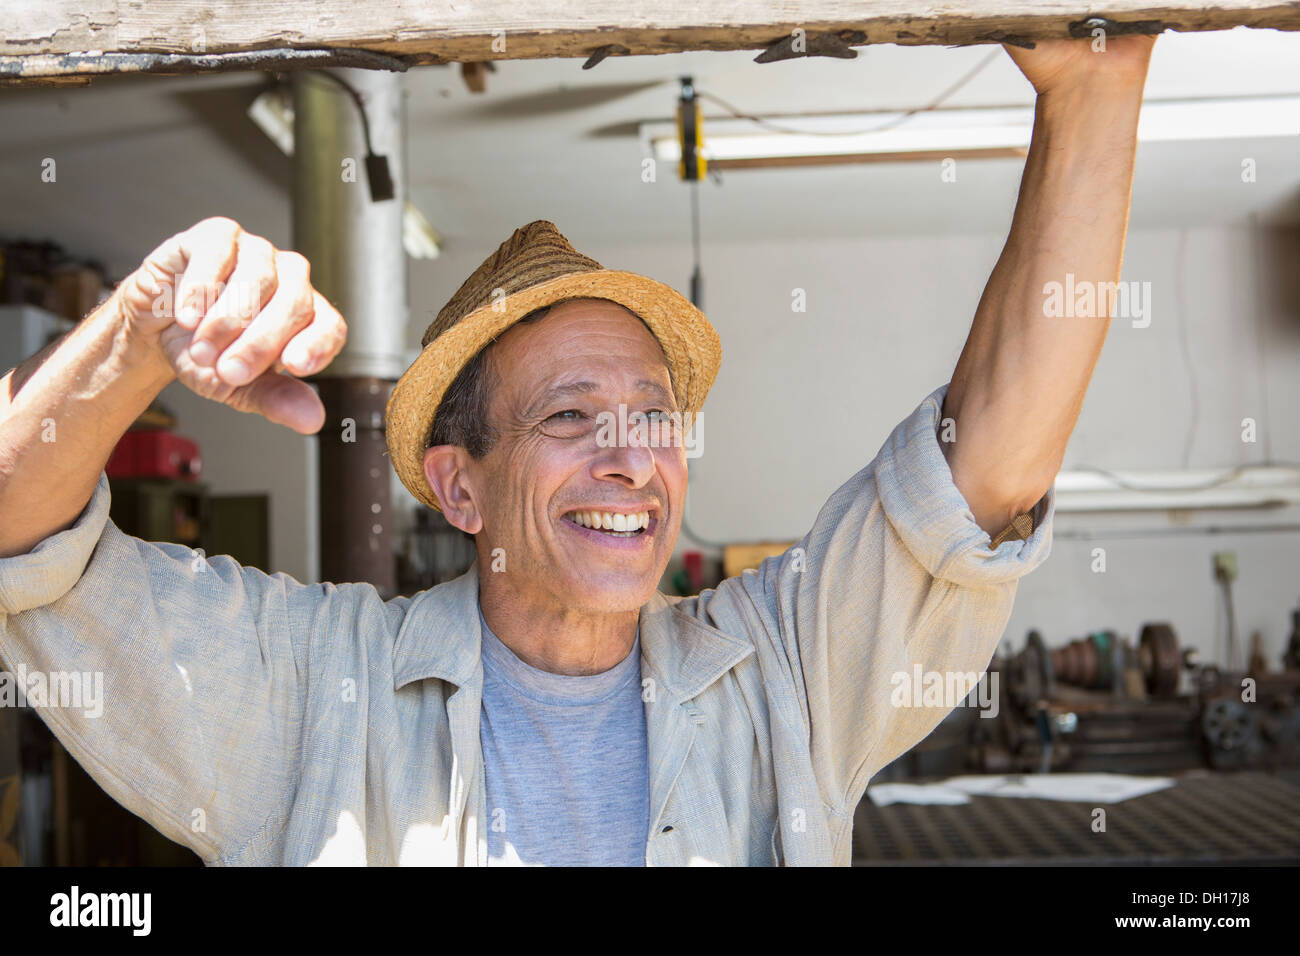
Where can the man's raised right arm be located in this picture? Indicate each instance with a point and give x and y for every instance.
(200, 668)
(61, 413)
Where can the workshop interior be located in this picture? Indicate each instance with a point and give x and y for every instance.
(835, 208)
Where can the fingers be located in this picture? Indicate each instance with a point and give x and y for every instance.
(266, 315)
(313, 329)
(316, 346)
(205, 254)
(249, 287)
(188, 267)
(283, 400)
(248, 352)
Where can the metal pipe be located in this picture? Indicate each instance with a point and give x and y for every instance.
(354, 245)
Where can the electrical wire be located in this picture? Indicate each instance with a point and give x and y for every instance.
(696, 281)
(689, 531)
(1261, 333)
(897, 121)
(1181, 304)
(378, 174)
(697, 299)
(697, 274)
(1231, 653)
(356, 98)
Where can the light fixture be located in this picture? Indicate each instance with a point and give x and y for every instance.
(1252, 486)
(733, 142)
(418, 237)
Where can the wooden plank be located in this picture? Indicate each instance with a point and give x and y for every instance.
(740, 557)
(841, 159)
(478, 30)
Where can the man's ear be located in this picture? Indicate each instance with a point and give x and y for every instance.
(444, 469)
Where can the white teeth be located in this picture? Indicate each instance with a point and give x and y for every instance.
(609, 521)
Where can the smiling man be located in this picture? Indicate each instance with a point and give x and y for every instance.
(550, 706)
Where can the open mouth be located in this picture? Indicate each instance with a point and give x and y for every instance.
(615, 524)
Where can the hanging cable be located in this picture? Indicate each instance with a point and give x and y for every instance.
(1261, 334)
(897, 121)
(1193, 392)
(697, 275)
(377, 172)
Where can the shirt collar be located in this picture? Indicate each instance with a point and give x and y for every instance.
(441, 637)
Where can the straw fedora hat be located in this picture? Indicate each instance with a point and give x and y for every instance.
(536, 267)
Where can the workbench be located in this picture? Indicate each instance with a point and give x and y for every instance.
(1206, 818)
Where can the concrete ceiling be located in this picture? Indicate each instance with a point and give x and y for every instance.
(139, 158)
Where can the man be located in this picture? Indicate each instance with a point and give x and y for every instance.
(550, 706)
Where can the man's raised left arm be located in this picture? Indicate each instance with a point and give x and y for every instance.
(1019, 385)
(905, 575)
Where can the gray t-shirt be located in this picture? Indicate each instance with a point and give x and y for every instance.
(565, 760)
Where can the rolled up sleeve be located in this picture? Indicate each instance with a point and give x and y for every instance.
(931, 517)
(894, 575)
(50, 569)
(202, 676)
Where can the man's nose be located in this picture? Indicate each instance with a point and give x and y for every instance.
(632, 459)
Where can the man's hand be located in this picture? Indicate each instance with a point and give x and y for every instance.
(246, 312)
(228, 312)
(1120, 63)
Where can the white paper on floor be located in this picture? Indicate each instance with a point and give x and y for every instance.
(1073, 787)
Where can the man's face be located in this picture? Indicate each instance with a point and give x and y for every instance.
(551, 464)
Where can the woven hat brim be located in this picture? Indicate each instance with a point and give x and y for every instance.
(689, 341)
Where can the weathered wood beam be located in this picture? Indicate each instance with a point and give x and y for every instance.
(52, 36)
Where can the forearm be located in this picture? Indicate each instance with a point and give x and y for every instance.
(61, 414)
(1019, 385)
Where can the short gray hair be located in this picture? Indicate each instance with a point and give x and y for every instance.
(462, 415)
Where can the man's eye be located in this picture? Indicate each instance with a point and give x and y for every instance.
(570, 423)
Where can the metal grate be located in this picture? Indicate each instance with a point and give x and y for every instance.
(1204, 818)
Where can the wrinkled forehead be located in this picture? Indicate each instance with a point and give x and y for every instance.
(582, 344)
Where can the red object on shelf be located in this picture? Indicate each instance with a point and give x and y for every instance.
(156, 453)
(693, 561)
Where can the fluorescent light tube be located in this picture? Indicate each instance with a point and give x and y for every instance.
(1255, 486)
(941, 132)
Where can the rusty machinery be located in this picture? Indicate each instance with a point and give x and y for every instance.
(1104, 703)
